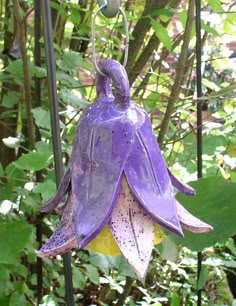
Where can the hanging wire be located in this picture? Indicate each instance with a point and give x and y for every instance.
(93, 36)
(55, 124)
(199, 121)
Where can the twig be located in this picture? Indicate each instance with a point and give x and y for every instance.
(26, 70)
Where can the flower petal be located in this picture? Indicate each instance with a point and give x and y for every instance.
(64, 238)
(104, 243)
(191, 223)
(133, 230)
(180, 186)
(148, 178)
(105, 144)
(63, 188)
(60, 195)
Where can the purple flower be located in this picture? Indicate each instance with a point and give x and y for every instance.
(117, 177)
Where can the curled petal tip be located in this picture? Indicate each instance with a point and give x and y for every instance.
(49, 251)
(60, 195)
(198, 229)
(64, 238)
(180, 186)
(191, 223)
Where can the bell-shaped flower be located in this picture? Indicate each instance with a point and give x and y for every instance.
(117, 182)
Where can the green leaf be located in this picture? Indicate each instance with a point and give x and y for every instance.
(209, 29)
(150, 103)
(5, 284)
(39, 72)
(47, 189)
(213, 203)
(42, 118)
(1, 170)
(227, 90)
(216, 5)
(92, 273)
(164, 14)
(183, 18)
(78, 278)
(168, 249)
(72, 59)
(167, 12)
(71, 98)
(75, 14)
(66, 79)
(10, 99)
(231, 245)
(17, 299)
(103, 262)
(175, 299)
(34, 161)
(14, 237)
(17, 177)
(202, 278)
(16, 68)
(209, 84)
(162, 34)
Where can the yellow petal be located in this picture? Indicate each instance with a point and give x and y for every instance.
(158, 234)
(105, 243)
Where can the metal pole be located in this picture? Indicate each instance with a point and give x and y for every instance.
(199, 120)
(52, 95)
(37, 98)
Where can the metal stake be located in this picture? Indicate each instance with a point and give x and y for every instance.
(199, 120)
(52, 95)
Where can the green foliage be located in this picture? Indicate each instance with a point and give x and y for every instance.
(10, 242)
(215, 204)
(28, 179)
(162, 34)
(33, 161)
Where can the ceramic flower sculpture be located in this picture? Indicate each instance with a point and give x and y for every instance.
(117, 189)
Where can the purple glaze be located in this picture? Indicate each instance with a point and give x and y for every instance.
(147, 175)
(103, 150)
(64, 238)
(118, 76)
(60, 195)
(115, 139)
(103, 88)
(180, 186)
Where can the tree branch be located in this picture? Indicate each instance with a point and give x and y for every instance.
(142, 86)
(180, 69)
(26, 70)
(140, 30)
(153, 44)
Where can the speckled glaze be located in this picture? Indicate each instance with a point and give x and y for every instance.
(117, 175)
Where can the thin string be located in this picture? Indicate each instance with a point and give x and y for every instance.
(55, 124)
(93, 37)
(199, 121)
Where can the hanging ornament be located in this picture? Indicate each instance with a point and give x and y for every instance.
(117, 191)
